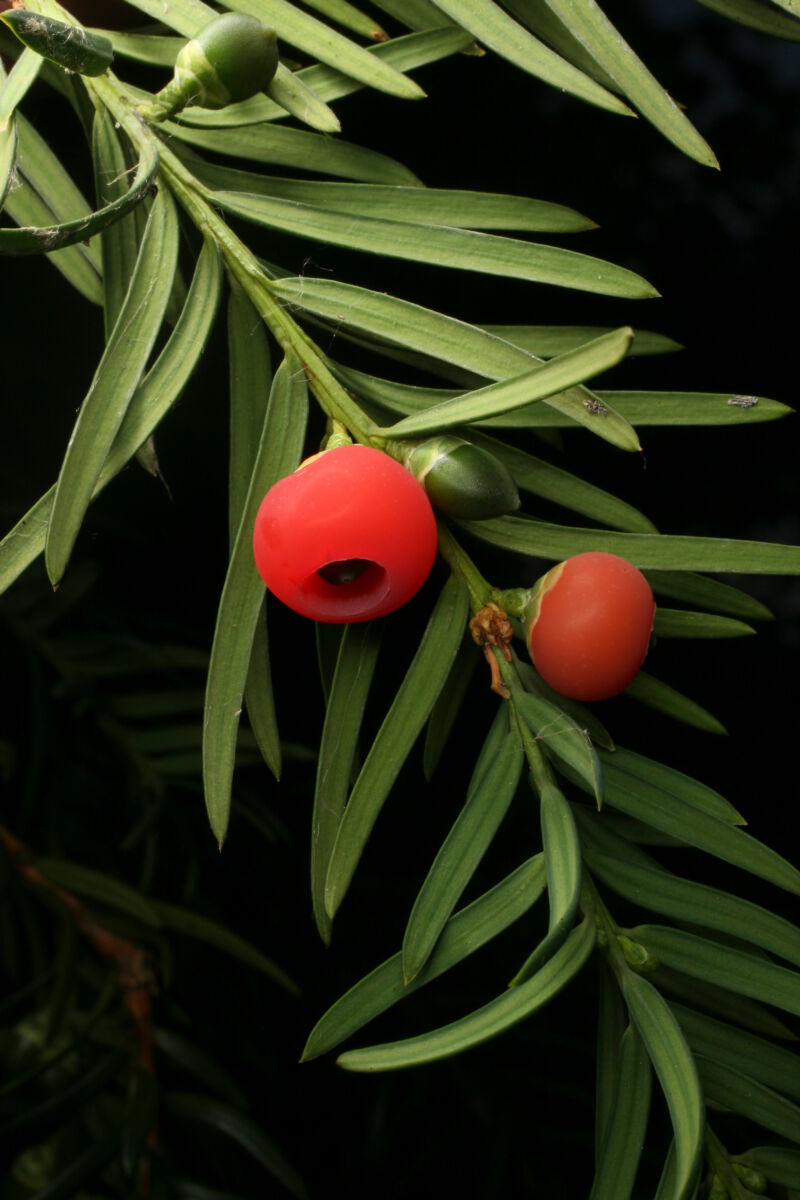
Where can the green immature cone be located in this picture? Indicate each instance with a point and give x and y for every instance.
(462, 480)
(231, 59)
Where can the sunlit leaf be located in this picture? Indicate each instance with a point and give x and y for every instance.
(590, 26)
(539, 382)
(496, 29)
(539, 539)
(355, 667)
(676, 1071)
(438, 245)
(287, 89)
(15, 84)
(268, 143)
(665, 699)
(279, 452)
(350, 17)
(625, 1133)
(118, 373)
(465, 932)
(398, 323)
(428, 206)
(508, 1009)
(404, 721)
(546, 341)
(492, 787)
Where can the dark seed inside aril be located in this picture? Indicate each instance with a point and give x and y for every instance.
(346, 570)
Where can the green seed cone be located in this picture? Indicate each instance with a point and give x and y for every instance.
(231, 59)
(463, 480)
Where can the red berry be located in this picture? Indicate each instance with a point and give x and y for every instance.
(349, 536)
(589, 625)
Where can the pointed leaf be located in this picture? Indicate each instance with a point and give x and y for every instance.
(757, 16)
(267, 143)
(492, 787)
(546, 341)
(496, 29)
(233, 1123)
(640, 879)
(119, 243)
(470, 928)
(279, 452)
(724, 1004)
(44, 239)
(192, 924)
(101, 888)
(541, 381)
(399, 323)
(400, 729)
(677, 1075)
(674, 622)
(612, 1020)
(540, 539)
(448, 703)
(722, 965)
(665, 699)
(14, 86)
(744, 1095)
(438, 245)
(287, 89)
(780, 1164)
(68, 46)
(775, 1066)
(350, 17)
(708, 593)
(508, 1009)
(428, 206)
(694, 408)
(560, 487)
(115, 381)
(355, 667)
(625, 1135)
(589, 24)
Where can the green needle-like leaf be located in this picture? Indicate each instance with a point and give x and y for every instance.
(677, 1075)
(558, 734)
(232, 1123)
(513, 1006)
(557, 542)
(439, 245)
(119, 243)
(101, 888)
(55, 187)
(560, 487)
(492, 787)
(757, 16)
(279, 452)
(496, 29)
(410, 327)
(776, 1066)
(355, 667)
(624, 766)
(625, 1134)
(268, 143)
(8, 130)
(590, 26)
(694, 408)
(445, 711)
(543, 380)
(115, 381)
(639, 878)
(428, 206)
(780, 1164)
(153, 398)
(675, 623)
(708, 593)
(546, 341)
(722, 965)
(470, 928)
(14, 86)
(724, 1004)
(404, 721)
(665, 699)
(350, 17)
(744, 1095)
(192, 924)
(287, 89)
(612, 1021)
(69, 46)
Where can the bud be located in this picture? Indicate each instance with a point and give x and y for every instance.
(231, 59)
(461, 479)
